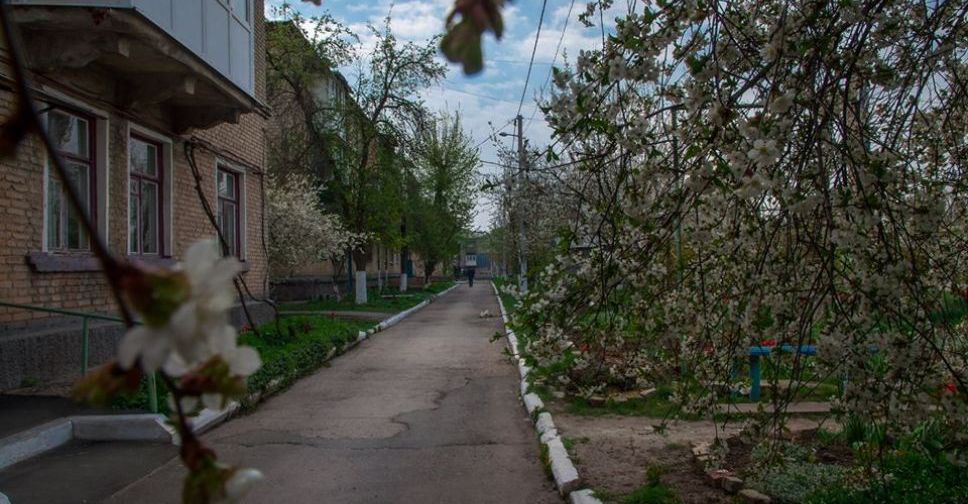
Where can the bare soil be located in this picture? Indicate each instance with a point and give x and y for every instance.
(612, 453)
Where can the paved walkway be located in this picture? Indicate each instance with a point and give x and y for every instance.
(424, 412)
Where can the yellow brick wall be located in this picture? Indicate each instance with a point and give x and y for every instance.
(22, 203)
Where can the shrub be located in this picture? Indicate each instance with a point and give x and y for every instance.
(794, 482)
(903, 477)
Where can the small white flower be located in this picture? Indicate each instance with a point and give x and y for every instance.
(199, 328)
(717, 114)
(783, 103)
(241, 482)
(764, 152)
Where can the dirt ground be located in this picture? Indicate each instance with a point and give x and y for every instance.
(612, 453)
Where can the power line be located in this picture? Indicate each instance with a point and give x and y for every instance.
(534, 50)
(521, 62)
(491, 136)
(486, 97)
(561, 38)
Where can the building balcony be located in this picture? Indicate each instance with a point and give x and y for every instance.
(190, 62)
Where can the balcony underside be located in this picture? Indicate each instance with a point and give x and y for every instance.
(130, 63)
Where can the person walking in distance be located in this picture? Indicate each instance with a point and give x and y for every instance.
(470, 276)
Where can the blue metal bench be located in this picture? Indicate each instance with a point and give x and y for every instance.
(764, 351)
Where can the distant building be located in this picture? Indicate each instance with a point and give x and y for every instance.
(146, 98)
(473, 254)
(342, 119)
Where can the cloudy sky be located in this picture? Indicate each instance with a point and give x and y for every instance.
(487, 101)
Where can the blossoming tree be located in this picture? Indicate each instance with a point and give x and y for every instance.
(770, 170)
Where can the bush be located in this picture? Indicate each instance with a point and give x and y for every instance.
(140, 400)
(298, 346)
(903, 477)
(794, 482)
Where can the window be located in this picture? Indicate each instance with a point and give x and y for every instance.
(240, 8)
(145, 200)
(229, 203)
(73, 136)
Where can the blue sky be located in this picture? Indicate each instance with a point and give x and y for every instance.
(492, 96)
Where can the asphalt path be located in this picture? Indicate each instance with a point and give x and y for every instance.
(425, 412)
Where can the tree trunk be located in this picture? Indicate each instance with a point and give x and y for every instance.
(359, 260)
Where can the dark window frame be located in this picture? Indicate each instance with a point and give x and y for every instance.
(159, 180)
(236, 201)
(92, 182)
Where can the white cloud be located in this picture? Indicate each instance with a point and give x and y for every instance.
(490, 99)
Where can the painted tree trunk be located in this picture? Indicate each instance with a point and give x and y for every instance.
(361, 287)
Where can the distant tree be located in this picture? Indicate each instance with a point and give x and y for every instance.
(444, 192)
(300, 231)
(351, 145)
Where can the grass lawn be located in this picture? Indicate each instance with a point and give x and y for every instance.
(394, 302)
(297, 347)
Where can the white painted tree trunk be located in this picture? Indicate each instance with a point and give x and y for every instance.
(403, 282)
(361, 287)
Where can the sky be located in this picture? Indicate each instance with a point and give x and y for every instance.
(487, 101)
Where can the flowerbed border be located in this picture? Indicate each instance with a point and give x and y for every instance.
(563, 469)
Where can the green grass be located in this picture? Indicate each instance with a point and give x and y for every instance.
(509, 302)
(297, 347)
(140, 400)
(656, 406)
(652, 494)
(819, 392)
(395, 302)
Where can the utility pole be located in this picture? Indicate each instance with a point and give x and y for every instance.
(675, 164)
(522, 180)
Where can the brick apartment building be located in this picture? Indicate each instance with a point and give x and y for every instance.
(146, 98)
(287, 135)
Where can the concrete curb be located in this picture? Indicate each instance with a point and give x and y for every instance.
(32, 442)
(563, 470)
(145, 427)
(45, 437)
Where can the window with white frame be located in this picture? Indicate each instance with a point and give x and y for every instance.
(73, 136)
(230, 210)
(146, 196)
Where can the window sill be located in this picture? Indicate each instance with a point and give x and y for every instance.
(45, 262)
(152, 261)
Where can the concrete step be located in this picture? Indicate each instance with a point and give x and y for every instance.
(82, 471)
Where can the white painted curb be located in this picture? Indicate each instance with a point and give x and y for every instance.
(32, 442)
(562, 469)
(585, 496)
(144, 427)
(564, 472)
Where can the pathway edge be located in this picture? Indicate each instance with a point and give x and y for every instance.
(563, 470)
(214, 418)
